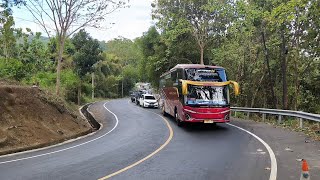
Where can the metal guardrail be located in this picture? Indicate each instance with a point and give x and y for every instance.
(298, 114)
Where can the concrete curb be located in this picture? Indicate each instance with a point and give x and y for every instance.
(89, 116)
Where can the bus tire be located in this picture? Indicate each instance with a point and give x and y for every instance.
(179, 122)
(163, 111)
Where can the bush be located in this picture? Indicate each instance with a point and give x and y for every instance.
(12, 69)
(44, 79)
(69, 84)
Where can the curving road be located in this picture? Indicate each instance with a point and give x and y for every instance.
(137, 143)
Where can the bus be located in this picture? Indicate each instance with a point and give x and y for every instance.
(196, 93)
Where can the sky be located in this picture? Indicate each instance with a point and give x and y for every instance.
(128, 22)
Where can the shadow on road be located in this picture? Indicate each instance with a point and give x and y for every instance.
(201, 127)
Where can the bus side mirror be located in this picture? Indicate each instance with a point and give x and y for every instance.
(184, 87)
(235, 87)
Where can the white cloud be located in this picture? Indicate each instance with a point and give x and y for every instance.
(129, 22)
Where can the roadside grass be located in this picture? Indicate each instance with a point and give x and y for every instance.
(88, 99)
(310, 128)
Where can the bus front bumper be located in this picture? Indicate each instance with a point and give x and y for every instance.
(217, 116)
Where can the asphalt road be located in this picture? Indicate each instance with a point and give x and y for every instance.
(132, 134)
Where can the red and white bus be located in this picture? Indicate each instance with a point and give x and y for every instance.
(196, 93)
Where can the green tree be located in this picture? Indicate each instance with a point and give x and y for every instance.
(7, 38)
(87, 54)
(67, 17)
(203, 19)
(154, 61)
(125, 50)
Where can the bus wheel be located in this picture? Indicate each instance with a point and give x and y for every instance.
(179, 122)
(163, 111)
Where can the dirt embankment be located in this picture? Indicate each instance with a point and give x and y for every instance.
(29, 118)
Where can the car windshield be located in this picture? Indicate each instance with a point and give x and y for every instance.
(149, 97)
(205, 74)
(207, 96)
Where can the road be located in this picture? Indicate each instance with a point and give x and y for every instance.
(138, 143)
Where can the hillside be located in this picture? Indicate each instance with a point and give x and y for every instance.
(29, 118)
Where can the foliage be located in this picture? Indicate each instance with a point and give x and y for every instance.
(87, 53)
(117, 72)
(205, 20)
(67, 17)
(124, 49)
(13, 69)
(7, 39)
(271, 48)
(154, 60)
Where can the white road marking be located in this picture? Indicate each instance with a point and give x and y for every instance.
(72, 147)
(150, 155)
(273, 173)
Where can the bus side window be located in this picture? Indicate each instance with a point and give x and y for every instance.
(179, 74)
(174, 77)
(167, 80)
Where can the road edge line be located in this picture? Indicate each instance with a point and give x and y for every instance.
(274, 168)
(147, 157)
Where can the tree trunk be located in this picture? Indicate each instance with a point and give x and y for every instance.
(296, 59)
(60, 53)
(5, 51)
(296, 80)
(201, 52)
(284, 70)
(79, 92)
(271, 83)
(122, 88)
(92, 76)
(256, 91)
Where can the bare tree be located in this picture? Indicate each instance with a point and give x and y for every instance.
(66, 17)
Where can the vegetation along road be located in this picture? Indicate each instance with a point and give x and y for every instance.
(139, 143)
(97, 50)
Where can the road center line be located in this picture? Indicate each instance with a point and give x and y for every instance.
(273, 173)
(150, 155)
(61, 150)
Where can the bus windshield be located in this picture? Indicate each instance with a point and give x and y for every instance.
(207, 96)
(205, 74)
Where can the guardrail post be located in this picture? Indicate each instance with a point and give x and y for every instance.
(235, 114)
(301, 122)
(248, 115)
(279, 119)
(263, 117)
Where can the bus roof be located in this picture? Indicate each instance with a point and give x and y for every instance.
(186, 66)
(194, 66)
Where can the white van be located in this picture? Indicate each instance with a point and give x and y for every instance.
(148, 100)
